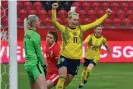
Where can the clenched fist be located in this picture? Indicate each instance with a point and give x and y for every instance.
(108, 11)
(55, 5)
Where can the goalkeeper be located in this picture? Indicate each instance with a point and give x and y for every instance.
(34, 63)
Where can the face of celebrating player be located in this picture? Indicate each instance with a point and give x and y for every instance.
(73, 21)
(50, 39)
(98, 31)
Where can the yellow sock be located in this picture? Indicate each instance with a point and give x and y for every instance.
(82, 76)
(64, 87)
(87, 72)
(60, 83)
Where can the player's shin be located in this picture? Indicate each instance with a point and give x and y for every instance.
(60, 83)
(82, 76)
(82, 79)
(87, 73)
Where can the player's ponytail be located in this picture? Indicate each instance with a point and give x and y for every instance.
(28, 22)
(54, 35)
(25, 25)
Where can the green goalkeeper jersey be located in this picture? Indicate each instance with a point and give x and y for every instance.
(32, 47)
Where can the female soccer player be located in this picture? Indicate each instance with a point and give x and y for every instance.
(71, 51)
(34, 63)
(92, 56)
(52, 55)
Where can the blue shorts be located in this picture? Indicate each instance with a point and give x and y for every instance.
(88, 61)
(72, 65)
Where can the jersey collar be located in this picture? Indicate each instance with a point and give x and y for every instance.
(96, 36)
(52, 45)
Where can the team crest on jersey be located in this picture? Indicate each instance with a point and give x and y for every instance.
(74, 33)
(61, 60)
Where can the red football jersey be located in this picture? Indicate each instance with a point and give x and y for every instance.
(52, 54)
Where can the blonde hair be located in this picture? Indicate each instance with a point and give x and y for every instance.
(28, 22)
(70, 14)
(31, 19)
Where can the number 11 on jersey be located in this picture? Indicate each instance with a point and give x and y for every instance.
(75, 39)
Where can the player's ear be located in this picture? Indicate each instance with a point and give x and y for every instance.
(34, 24)
(68, 19)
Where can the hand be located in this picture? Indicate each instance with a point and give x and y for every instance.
(45, 69)
(108, 11)
(55, 5)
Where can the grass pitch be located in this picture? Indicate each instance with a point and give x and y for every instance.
(104, 76)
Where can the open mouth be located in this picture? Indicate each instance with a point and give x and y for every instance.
(74, 24)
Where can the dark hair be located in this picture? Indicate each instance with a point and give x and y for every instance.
(54, 35)
(97, 27)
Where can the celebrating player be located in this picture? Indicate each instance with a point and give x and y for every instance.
(71, 51)
(92, 56)
(52, 54)
(34, 63)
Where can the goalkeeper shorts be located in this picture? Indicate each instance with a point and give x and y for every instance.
(34, 72)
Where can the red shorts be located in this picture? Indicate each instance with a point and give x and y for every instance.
(52, 77)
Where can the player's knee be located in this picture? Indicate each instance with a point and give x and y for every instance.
(63, 71)
(91, 66)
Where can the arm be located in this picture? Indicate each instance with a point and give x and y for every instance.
(57, 52)
(97, 22)
(84, 43)
(108, 49)
(94, 24)
(60, 27)
(87, 39)
(106, 46)
(45, 59)
(39, 52)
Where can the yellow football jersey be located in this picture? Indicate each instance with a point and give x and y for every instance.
(94, 46)
(72, 38)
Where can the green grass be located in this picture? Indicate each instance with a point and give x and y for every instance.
(104, 76)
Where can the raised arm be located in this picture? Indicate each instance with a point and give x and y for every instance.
(97, 22)
(60, 27)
